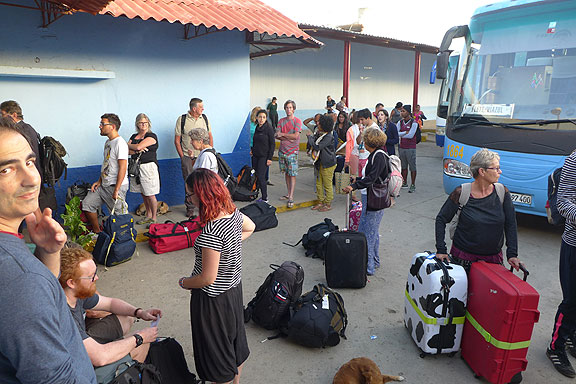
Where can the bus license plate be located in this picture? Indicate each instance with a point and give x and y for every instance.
(519, 198)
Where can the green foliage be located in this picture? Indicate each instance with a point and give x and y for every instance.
(73, 225)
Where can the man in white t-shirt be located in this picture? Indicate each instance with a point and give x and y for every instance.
(111, 187)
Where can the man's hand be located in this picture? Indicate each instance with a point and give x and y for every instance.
(150, 314)
(115, 194)
(149, 334)
(268, 162)
(515, 262)
(95, 186)
(45, 232)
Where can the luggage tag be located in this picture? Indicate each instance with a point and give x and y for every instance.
(325, 302)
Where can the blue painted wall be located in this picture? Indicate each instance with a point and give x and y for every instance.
(156, 72)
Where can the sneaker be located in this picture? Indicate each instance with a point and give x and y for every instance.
(570, 346)
(269, 183)
(561, 362)
(404, 185)
(412, 189)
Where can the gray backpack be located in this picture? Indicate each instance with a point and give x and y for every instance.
(463, 200)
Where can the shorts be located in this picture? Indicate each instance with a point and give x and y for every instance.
(408, 158)
(218, 334)
(149, 180)
(288, 163)
(103, 195)
(104, 330)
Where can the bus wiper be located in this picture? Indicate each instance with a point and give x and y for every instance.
(518, 125)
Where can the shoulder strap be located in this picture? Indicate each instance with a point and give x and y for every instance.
(500, 191)
(206, 120)
(182, 124)
(464, 194)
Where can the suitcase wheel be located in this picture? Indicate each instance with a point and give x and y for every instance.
(423, 355)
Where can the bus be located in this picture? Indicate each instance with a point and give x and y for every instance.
(512, 90)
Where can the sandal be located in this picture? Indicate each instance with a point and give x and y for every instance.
(285, 198)
(290, 204)
(144, 221)
(317, 206)
(325, 208)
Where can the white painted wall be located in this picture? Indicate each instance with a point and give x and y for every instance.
(156, 72)
(309, 76)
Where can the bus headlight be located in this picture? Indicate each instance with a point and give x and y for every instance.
(457, 168)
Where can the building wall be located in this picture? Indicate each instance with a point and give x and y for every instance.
(156, 72)
(377, 74)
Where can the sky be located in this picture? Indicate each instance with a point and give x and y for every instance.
(416, 21)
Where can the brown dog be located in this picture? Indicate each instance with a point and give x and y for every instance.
(362, 370)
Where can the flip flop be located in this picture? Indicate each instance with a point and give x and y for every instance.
(285, 198)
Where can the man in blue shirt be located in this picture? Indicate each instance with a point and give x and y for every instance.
(39, 342)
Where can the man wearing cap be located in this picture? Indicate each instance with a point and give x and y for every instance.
(407, 128)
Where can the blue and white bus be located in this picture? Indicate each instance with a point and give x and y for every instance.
(513, 91)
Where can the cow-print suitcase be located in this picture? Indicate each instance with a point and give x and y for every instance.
(435, 304)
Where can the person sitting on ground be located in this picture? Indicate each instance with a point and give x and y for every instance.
(112, 185)
(201, 142)
(216, 304)
(390, 130)
(376, 171)
(144, 144)
(484, 221)
(262, 151)
(108, 340)
(322, 147)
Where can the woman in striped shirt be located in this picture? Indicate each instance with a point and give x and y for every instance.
(216, 307)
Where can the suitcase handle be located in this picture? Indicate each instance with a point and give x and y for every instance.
(523, 269)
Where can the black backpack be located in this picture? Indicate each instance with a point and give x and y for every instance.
(314, 241)
(270, 308)
(51, 160)
(554, 217)
(418, 135)
(225, 172)
(139, 373)
(319, 319)
(247, 188)
(167, 355)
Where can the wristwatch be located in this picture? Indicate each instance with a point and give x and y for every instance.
(139, 340)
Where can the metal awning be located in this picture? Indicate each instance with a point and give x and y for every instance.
(267, 30)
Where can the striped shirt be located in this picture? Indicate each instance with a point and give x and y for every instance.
(286, 125)
(225, 236)
(567, 199)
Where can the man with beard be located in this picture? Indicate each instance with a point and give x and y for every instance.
(111, 187)
(108, 341)
(40, 342)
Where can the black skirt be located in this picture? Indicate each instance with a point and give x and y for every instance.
(218, 334)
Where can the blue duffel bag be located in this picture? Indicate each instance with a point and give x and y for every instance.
(117, 241)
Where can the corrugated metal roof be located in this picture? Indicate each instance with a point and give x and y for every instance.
(359, 37)
(90, 6)
(250, 15)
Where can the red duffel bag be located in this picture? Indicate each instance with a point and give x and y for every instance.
(169, 237)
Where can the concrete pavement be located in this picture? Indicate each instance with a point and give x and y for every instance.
(151, 280)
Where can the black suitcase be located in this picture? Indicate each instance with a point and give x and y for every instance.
(262, 214)
(346, 257)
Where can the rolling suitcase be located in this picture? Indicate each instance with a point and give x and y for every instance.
(346, 258)
(502, 310)
(435, 304)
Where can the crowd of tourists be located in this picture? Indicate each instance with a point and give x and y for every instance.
(49, 303)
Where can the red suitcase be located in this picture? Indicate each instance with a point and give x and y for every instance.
(169, 237)
(501, 312)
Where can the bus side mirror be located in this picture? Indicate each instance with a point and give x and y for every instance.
(442, 64)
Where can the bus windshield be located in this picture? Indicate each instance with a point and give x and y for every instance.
(521, 73)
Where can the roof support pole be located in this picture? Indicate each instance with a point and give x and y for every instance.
(416, 78)
(346, 77)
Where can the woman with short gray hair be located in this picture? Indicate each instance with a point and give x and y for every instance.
(201, 142)
(485, 220)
